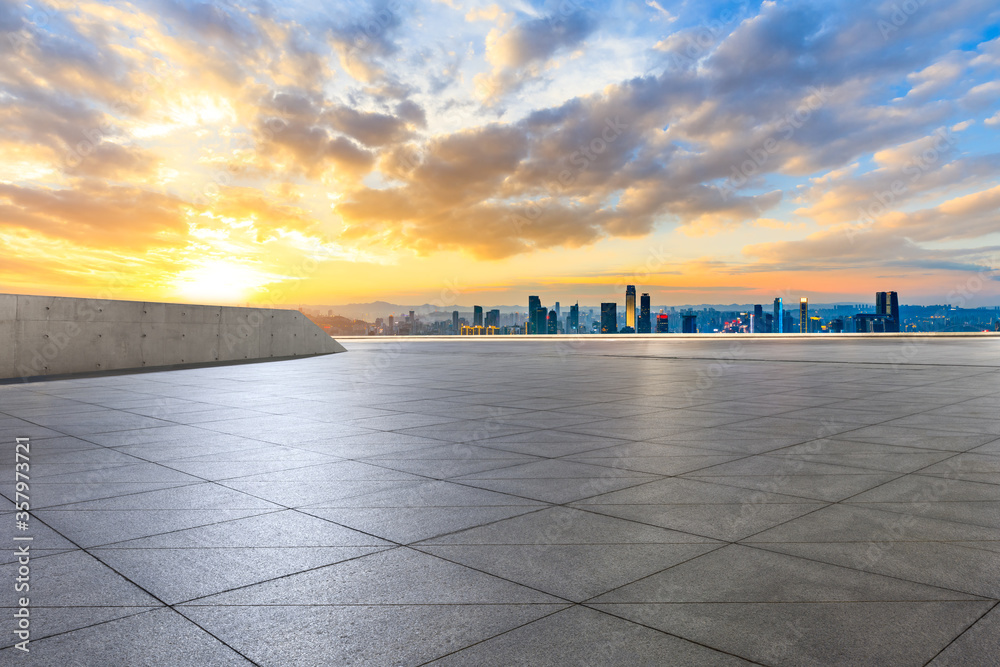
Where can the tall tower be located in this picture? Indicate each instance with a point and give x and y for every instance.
(477, 316)
(630, 306)
(454, 322)
(645, 324)
(779, 316)
(573, 320)
(804, 315)
(609, 318)
(894, 311)
(887, 303)
(534, 303)
(540, 319)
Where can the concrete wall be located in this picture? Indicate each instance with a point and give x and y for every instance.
(44, 335)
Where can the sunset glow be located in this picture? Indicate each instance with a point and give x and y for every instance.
(360, 151)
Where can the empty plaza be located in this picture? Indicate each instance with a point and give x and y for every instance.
(715, 500)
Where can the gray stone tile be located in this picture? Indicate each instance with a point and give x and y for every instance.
(394, 634)
(360, 446)
(658, 465)
(223, 470)
(923, 489)
(984, 477)
(55, 621)
(556, 469)
(469, 430)
(548, 419)
(574, 572)
(725, 440)
(422, 511)
(163, 452)
(626, 430)
(721, 521)
(446, 468)
(157, 637)
(550, 443)
(84, 423)
(555, 480)
(197, 562)
(977, 513)
(890, 575)
(829, 488)
(685, 491)
(980, 642)
(406, 525)
(865, 523)
(928, 438)
(302, 493)
(96, 456)
(555, 490)
(80, 586)
(204, 496)
(809, 633)
(91, 528)
(777, 465)
(719, 577)
(29, 430)
(136, 472)
(563, 525)
(988, 448)
(582, 636)
(67, 492)
(864, 455)
(966, 463)
(972, 571)
(398, 576)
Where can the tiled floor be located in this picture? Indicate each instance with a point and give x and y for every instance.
(689, 502)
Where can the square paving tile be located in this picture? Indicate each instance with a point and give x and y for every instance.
(603, 505)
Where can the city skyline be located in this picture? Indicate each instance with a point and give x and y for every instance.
(713, 152)
(885, 315)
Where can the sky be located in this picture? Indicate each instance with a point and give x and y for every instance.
(461, 151)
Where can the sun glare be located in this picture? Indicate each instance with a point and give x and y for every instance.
(219, 281)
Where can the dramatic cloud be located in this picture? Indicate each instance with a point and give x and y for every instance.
(747, 138)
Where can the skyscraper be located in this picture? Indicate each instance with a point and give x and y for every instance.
(758, 319)
(534, 303)
(803, 315)
(391, 331)
(454, 322)
(689, 323)
(539, 319)
(553, 323)
(556, 308)
(645, 324)
(609, 318)
(573, 319)
(477, 316)
(493, 318)
(779, 316)
(887, 303)
(662, 323)
(630, 306)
